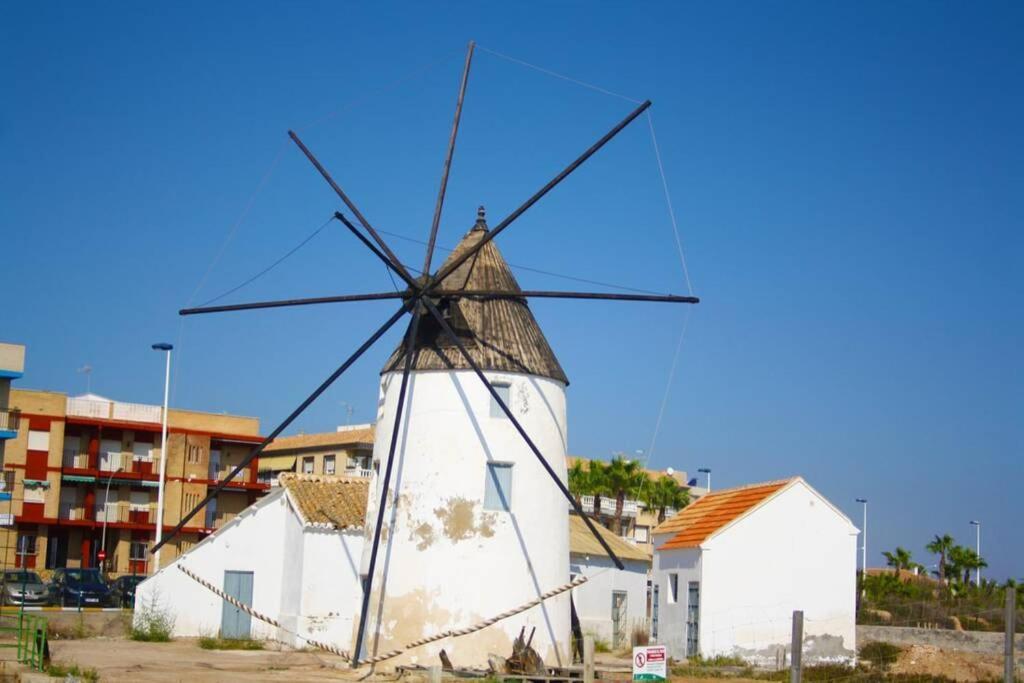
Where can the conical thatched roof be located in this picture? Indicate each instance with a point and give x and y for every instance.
(500, 334)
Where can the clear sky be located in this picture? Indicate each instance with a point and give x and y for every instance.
(848, 178)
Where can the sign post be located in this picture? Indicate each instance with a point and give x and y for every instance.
(650, 663)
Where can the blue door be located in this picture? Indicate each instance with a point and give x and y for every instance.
(234, 623)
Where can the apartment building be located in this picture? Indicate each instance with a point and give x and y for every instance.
(12, 364)
(84, 475)
(347, 451)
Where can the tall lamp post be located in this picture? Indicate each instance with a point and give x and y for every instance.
(106, 516)
(977, 545)
(163, 454)
(707, 471)
(864, 539)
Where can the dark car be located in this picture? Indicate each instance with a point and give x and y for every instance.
(21, 587)
(122, 590)
(79, 588)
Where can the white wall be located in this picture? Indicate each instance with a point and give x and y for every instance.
(446, 561)
(794, 552)
(303, 577)
(240, 545)
(593, 599)
(685, 564)
(330, 566)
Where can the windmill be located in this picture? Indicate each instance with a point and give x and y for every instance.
(469, 322)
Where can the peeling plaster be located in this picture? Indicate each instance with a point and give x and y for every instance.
(458, 520)
(425, 533)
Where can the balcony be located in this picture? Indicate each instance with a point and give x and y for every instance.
(629, 507)
(9, 422)
(113, 410)
(365, 473)
(72, 512)
(124, 514)
(75, 459)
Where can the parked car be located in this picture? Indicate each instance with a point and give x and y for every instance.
(79, 588)
(22, 587)
(122, 590)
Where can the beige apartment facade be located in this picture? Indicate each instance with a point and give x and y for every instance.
(83, 474)
(347, 452)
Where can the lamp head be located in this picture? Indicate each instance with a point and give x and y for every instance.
(862, 500)
(163, 346)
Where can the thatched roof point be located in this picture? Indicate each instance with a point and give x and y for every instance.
(500, 334)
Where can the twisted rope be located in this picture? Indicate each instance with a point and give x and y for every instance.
(454, 633)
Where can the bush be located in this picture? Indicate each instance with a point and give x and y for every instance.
(211, 643)
(72, 671)
(880, 654)
(152, 624)
(639, 635)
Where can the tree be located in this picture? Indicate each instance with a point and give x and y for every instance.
(899, 559)
(962, 561)
(622, 477)
(663, 493)
(579, 481)
(597, 482)
(941, 546)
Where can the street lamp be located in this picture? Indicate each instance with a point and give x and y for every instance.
(106, 516)
(977, 572)
(864, 538)
(163, 453)
(707, 471)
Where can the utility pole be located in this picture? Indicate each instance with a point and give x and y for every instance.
(163, 456)
(977, 572)
(797, 647)
(707, 471)
(864, 541)
(1011, 628)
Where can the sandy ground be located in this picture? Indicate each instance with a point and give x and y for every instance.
(116, 659)
(962, 666)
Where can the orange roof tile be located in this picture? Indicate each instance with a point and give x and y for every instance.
(700, 520)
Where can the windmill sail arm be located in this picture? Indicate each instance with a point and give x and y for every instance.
(519, 428)
(405, 308)
(452, 266)
(282, 303)
(537, 294)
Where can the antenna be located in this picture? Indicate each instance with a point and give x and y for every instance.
(348, 412)
(87, 371)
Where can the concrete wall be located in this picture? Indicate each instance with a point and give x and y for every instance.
(446, 562)
(330, 566)
(593, 599)
(983, 642)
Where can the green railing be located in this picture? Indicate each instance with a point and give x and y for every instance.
(31, 634)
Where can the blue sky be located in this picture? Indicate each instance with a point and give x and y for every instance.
(848, 180)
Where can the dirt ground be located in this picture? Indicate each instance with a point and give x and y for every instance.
(962, 666)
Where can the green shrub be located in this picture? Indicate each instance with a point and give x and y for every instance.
(211, 643)
(72, 670)
(881, 655)
(152, 624)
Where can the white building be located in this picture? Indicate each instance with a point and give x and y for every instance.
(612, 602)
(293, 556)
(730, 569)
(477, 527)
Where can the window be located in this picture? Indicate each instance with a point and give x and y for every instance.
(307, 465)
(137, 551)
(38, 440)
(328, 464)
(142, 451)
(640, 534)
(504, 390)
(195, 453)
(673, 588)
(498, 487)
(27, 545)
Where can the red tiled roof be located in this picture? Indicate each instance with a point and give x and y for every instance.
(700, 520)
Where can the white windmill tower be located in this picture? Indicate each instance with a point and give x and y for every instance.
(476, 526)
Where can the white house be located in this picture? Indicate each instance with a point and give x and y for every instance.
(730, 569)
(293, 555)
(478, 526)
(612, 601)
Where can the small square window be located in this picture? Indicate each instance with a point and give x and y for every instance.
(307, 465)
(328, 464)
(504, 390)
(498, 487)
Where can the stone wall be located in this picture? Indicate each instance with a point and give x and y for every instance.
(985, 642)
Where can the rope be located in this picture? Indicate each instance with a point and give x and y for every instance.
(555, 74)
(271, 266)
(668, 201)
(454, 633)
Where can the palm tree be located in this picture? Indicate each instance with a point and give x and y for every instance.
(579, 481)
(664, 493)
(597, 483)
(941, 546)
(899, 559)
(622, 477)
